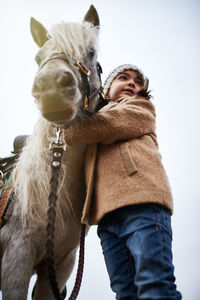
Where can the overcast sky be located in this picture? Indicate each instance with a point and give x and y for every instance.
(162, 38)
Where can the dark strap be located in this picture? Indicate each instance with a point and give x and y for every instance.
(8, 163)
(102, 102)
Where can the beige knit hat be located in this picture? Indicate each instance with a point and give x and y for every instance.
(113, 74)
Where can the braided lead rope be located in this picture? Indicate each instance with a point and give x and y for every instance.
(79, 274)
(51, 214)
(58, 147)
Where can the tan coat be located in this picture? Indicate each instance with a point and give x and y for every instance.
(123, 163)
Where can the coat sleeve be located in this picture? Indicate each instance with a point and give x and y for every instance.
(120, 120)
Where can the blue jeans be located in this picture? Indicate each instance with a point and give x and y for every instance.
(136, 242)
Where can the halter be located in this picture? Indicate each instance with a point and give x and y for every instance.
(85, 76)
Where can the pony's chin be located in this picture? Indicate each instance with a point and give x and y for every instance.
(62, 118)
(58, 107)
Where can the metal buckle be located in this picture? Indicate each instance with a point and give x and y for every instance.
(85, 104)
(101, 93)
(83, 68)
(59, 142)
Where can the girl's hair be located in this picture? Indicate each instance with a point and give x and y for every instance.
(145, 94)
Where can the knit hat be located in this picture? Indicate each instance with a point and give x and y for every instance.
(113, 74)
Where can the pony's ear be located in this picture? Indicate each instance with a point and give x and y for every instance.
(92, 16)
(39, 33)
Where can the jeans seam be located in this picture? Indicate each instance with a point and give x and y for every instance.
(130, 263)
(155, 218)
(165, 223)
(161, 236)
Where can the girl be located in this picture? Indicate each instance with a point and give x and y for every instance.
(128, 193)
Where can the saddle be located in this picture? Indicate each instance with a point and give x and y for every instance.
(7, 165)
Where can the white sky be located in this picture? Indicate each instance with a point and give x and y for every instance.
(162, 38)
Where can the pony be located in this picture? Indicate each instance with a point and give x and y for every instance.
(66, 88)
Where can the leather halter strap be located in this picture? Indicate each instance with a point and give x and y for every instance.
(62, 57)
(85, 76)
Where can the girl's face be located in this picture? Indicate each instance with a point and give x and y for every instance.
(127, 84)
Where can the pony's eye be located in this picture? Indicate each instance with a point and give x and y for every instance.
(91, 53)
(99, 68)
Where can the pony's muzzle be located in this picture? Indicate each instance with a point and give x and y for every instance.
(44, 82)
(57, 93)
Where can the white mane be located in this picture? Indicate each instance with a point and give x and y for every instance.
(33, 171)
(32, 176)
(74, 39)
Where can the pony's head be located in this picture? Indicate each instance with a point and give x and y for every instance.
(68, 82)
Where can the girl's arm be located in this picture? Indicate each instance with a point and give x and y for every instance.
(122, 119)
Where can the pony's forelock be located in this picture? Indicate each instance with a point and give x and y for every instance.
(66, 35)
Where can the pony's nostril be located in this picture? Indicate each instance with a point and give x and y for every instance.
(46, 82)
(41, 83)
(66, 79)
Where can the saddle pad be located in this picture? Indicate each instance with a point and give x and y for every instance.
(5, 195)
